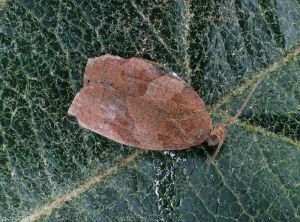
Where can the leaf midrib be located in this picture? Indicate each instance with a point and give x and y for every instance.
(261, 75)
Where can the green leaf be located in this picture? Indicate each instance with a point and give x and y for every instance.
(275, 104)
(53, 170)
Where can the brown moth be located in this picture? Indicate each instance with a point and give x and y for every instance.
(139, 103)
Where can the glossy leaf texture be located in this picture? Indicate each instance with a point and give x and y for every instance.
(53, 170)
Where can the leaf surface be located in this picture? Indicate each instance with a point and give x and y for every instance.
(53, 170)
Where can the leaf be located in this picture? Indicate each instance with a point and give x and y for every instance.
(53, 170)
(275, 105)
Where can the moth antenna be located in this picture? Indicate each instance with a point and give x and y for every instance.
(244, 104)
(214, 155)
(232, 120)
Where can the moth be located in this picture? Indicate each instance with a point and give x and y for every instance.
(142, 104)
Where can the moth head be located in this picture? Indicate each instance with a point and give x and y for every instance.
(217, 134)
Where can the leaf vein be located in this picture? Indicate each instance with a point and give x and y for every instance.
(46, 209)
(153, 30)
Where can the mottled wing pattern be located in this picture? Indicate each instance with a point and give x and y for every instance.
(135, 103)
